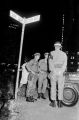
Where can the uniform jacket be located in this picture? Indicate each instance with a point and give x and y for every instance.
(32, 66)
(58, 60)
(42, 65)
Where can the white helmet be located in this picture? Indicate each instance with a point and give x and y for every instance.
(58, 44)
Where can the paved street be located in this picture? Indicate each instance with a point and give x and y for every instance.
(40, 110)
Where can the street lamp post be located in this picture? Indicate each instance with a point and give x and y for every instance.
(23, 21)
(19, 61)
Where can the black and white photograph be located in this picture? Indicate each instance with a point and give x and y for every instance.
(39, 60)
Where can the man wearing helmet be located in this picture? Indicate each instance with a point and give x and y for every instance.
(57, 66)
(32, 67)
(42, 81)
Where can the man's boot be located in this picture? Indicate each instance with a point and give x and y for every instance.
(42, 96)
(60, 103)
(53, 103)
(39, 95)
(29, 99)
(33, 99)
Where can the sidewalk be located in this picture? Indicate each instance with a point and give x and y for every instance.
(40, 110)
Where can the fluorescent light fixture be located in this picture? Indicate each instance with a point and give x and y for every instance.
(24, 20)
(32, 19)
(16, 16)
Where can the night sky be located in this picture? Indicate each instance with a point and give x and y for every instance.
(39, 36)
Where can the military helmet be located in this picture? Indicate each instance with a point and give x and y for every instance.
(46, 53)
(57, 44)
(37, 54)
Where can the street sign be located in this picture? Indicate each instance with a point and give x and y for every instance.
(16, 16)
(32, 19)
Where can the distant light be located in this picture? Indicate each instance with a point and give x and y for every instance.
(15, 64)
(13, 26)
(13, 70)
(3, 63)
(78, 53)
(72, 57)
(73, 19)
(8, 65)
(71, 62)
(63, 19)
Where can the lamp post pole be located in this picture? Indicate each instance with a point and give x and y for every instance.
(23, 21)
(19, 61)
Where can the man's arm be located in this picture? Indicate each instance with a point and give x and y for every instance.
(39, 66)
(50, 61)
(65, 63)
(29, 66)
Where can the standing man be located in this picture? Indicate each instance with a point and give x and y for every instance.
(32, 67)
(57, 66)
(42, 81)
(24, 78)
